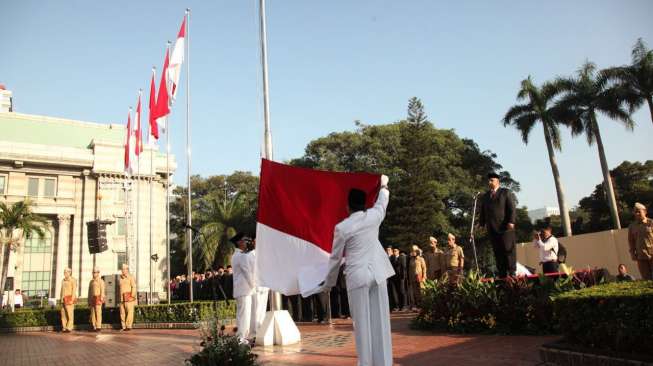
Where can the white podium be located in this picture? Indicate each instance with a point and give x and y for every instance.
(278, 328)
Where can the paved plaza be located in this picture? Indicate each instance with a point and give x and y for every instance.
(321, 345)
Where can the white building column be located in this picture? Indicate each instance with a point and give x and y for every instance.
(63, 245)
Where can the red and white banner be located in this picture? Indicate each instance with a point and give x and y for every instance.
(162, 100)
(298, 210)
(153, 130)
(176, 59)
(138, 149)
(129, 144)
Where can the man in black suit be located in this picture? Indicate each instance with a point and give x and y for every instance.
(401, 267)
(498, 215)
(392, 292)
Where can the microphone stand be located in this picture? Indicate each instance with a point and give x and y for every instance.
(471, 232)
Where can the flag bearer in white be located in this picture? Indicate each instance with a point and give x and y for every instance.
(260, 296)
(244, 286)
(366, 271)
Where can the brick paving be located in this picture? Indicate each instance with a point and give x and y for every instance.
(321, 345)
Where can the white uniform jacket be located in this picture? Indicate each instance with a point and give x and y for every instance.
(358, 237)
(244, 283)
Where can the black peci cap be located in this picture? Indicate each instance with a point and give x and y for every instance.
(493, 175)
(357, 199)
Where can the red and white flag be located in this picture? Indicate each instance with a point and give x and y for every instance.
(129, 144)
(162, 100)
(138, 149)
(176, 60)
(297, 213)
(153, 130)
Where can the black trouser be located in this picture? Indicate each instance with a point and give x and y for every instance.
(334, 298)
(344, 301)
(392, 297)
(550, 267)
(503, 245)
(400, 289)
(291, 303)
(307, 309)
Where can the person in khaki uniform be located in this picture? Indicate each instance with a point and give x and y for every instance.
(96, 296)
(417, 274)
(434, 259)
(640, 241)
(68, 299)
(127, 298)
(454, 259)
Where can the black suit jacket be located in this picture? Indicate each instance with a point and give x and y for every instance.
(498, 212)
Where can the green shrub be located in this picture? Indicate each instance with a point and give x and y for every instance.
(222, 349)
(514, 306)
(162, 313)
(615, 316)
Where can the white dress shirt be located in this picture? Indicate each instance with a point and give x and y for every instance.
(244, 284)
(548, 249)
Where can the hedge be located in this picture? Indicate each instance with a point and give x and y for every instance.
(162, 313)
(615, 316)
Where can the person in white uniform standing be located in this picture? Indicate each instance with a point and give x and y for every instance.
(366, 271)
(244, 286)
(260, 296)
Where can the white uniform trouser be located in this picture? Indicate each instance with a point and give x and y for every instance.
(371, 314)
(243, 316)
(259, 306)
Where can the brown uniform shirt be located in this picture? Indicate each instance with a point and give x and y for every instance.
(96, 288)
(127, 284)
(453, 257)
(640, 239)
(68, 288)
(417, 269)
(434, 262)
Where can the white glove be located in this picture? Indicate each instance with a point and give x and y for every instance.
(384, 180)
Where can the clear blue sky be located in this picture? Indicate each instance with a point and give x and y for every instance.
(331, 63)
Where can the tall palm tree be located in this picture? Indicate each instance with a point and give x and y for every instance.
(635, 81)
(222, 219)
(17, 222)
(587, 94)
(539, 107)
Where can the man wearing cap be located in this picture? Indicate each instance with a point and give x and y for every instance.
(366, 271)
(244, 286)
(96, 295)
(127, 287)
(640, 241)
(434, 258)
(454, 259)
(498, 215)
(68, 300)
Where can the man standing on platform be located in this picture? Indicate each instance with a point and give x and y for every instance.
(640, 241)
(498, 215)
(96, 295)
(68, 300)
(434, 258)
(244, 286)
(127, 298)
(367, 270)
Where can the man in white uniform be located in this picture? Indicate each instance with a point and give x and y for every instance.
(244, 286)
(260, 296)
(366, 272)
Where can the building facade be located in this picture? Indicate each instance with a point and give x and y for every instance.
(542, 213)
(73, 173)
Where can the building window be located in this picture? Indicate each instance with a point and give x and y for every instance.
(37, 265)
(42, 187)
(121, 229)
(3, 184)
(36, 283)
(121, 258)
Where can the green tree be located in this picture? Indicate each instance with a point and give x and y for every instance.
(635, 81)
(587, 94)
(17, 222)
(539, 107)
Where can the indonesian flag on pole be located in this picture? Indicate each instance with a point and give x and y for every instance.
(297, 213)
(129, 143)
(138, 149)
(177, 58)
(154, 130)
(162, 100)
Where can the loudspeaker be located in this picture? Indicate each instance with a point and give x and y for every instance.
(112, 289)
(97, 235)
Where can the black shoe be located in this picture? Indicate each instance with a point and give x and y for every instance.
(128, 330)
(98, 330)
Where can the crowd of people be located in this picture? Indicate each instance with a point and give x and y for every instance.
(216, 284)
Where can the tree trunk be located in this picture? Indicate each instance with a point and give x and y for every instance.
(564, 211)
(607, 179)
(649, 100)
(5, 267)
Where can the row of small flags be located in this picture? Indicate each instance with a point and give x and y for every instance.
(159, 105)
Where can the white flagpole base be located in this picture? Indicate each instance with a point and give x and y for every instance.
(278, 329)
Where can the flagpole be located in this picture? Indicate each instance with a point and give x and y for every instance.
(167, 131)
(150, 143)
(189, 221)
(138, 196)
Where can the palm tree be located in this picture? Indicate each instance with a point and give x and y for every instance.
(635, 81)
(222, 219)
(17, 222)
(539, 107)
(586, 94)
